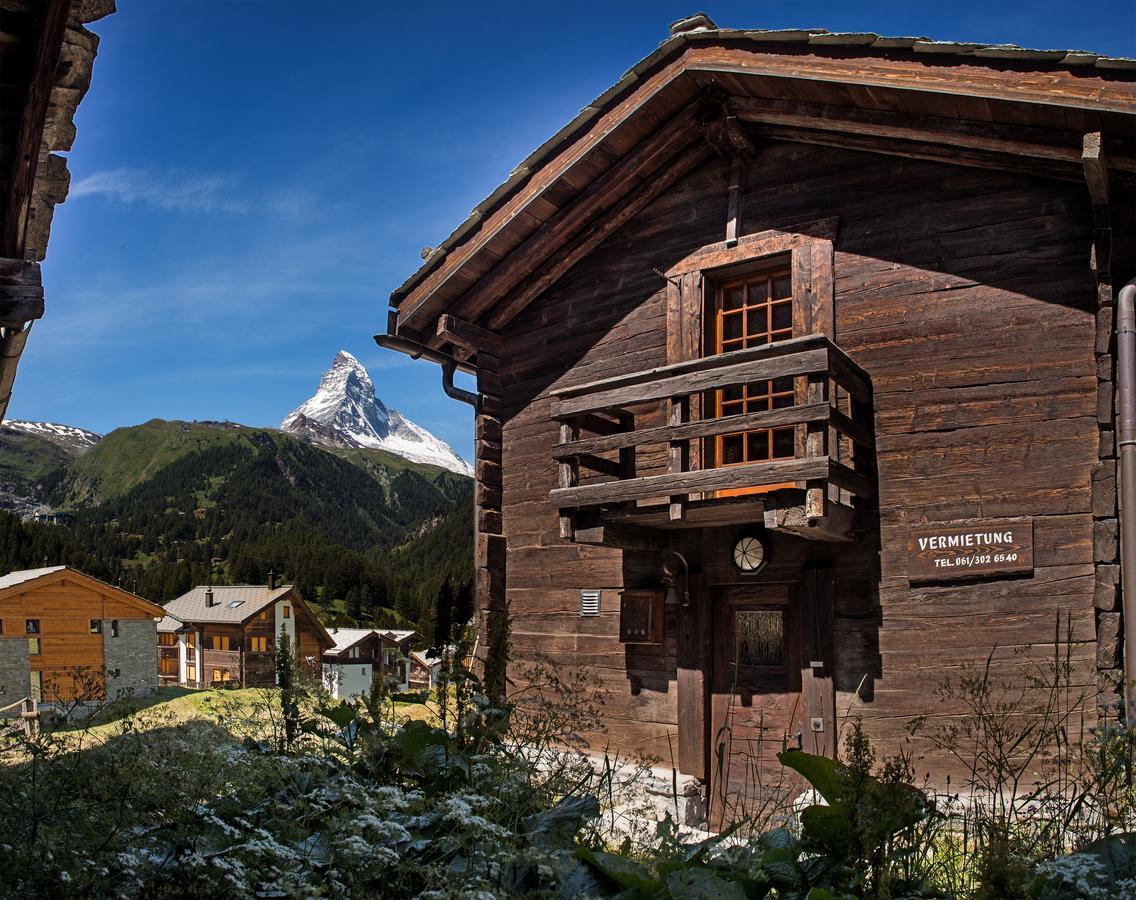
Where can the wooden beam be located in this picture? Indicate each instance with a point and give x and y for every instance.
(721, 129)
(1059, 170)
(806, 362)
(1096, 167)
(747, 475)
(623, 537)
(604, 193)
(468, 336)
(734, 207)
(704, 363)
(1096, 170)
(25, 158)
(594, 235)
(1082, 88)
(21, 292)
(599, 464)
(772, 418)
(1037, 143)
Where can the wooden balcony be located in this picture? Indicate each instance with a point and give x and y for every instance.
(609, 431)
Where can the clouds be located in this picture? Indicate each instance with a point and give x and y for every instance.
(170, 191)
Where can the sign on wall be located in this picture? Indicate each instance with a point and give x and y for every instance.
(977, 547)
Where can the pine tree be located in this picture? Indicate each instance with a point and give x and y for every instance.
(286, 680)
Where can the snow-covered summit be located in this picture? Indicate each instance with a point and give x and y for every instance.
(74, 440)
(344, 412)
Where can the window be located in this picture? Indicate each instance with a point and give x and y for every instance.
(751, 312)
(216, 676)
(167, 639)
(33, 646)
(191, 639)
(114, 627)
(353, 653)
(759, 636)
(32, 626)
(37, 687)
(97, 627)
(191, 674)
(168, 665)
(233, 604)
(258, 644)
(263, 616)
(1, 626)
(221, 642)
(286, 611)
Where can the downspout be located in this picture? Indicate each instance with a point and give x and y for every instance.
(449, 365)
(1126, 449)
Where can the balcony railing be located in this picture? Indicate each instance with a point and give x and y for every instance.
(606, 424)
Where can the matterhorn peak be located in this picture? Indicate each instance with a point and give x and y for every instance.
(345, 412)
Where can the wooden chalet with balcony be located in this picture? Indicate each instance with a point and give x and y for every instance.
(67, 638)
(795, 373)
(228, 635)
(366, 659)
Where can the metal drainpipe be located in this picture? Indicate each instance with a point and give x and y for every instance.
(449, 365)
(1126, 448)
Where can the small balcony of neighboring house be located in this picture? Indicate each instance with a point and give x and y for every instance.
(781, 433)
(221, 667)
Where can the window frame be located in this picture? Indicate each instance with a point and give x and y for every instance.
(96, 626)
(31, 626)
(35, 642)
(808, 247)
(258, 644)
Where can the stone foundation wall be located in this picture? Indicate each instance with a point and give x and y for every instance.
(131, 659)
(14, 678)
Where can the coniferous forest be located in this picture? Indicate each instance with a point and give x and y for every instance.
(365, 535)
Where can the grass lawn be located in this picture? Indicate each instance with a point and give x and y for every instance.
(240, 710)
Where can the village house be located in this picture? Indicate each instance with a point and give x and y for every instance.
(66, 637)
(795, 359)
(424, 667)
(365, 658)
(228, 634)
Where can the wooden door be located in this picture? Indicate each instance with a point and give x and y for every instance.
(753, 311)
(755, 700)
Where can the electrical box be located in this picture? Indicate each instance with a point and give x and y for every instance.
(641, 617)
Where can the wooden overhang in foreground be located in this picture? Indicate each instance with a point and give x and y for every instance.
(47, 61)
(947, 223)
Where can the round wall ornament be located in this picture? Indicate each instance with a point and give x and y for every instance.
(750, 554)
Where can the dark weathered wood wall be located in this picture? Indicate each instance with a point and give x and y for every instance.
(967, 295)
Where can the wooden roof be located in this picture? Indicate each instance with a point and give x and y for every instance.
(15, 583)
(970, 104)
(47, 61)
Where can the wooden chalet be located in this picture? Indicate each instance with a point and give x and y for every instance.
(228, 635)
(46, 58)
(365, 658)
(66, 637)
(795, 372)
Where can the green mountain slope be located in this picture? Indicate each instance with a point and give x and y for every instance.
(27, 460)
(165, 505)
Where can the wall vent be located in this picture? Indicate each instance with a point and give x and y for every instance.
(589, 603)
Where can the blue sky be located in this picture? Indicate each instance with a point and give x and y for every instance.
(251, 179)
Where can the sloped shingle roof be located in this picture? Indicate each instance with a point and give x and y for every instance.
(697, 28)
(250, 599)
(346, 637)
(19, 577)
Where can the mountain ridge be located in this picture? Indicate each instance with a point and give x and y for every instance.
(345, 412)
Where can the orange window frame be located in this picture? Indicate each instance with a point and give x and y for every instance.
(753, 310)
